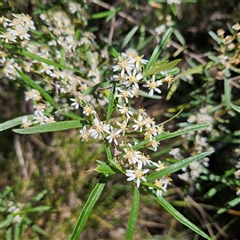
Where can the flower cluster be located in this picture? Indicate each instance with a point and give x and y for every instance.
(200, 143)
(128, 75)
(15, 210)
(228, 51)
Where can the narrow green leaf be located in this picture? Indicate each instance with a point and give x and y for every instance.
(133, 214)
(37, 209)
(37, 229)
(195, 70)
(180, 37)
(50, 127)
(215, 37)
(105, 13)
(235, 107)
(34, 85)
(6, 222)
(87, 209)
(227, 93)
(104, 168)
(113, 52)
(230, 204)
(14, 122)
(177, 166)
(109, 157)
(48, 62)
(177, 215)
(17, 231)
(167, 135)
(158, 49)
(128, 37)
(146, 94)
(163, 67)
(111, 104)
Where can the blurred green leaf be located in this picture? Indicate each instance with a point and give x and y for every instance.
(191, 71)
(37, 229)
(14, 122)
(215, 37)
(105, 13)
(17, 231)
(113, 52)
(34, 85)
(6, 222)
(87, 209)
(37, 209)
(133, 214)
(128, 37)
(235, 107)
(177, 166)
(50, 127)
(158, 49)
(230, 204)
(177, 215)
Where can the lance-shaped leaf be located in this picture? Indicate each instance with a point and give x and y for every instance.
(166, 135)
(34, 85)
(177, 166)
(14, 122)
(177, 215)
(158, 49)
(50, 127)
(133, 214)
(128, 37)
(113, 52)
(87, 209)
(161, 67)
(111, 103)
(48, 62)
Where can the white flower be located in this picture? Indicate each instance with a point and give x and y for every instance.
(125, 64)
(84, 134)
(25, 122)
(40, 118)
(139, 124)
(113, 135)
(131, 155)
(153, 85)
(76, 102)
(175, 152)
(124, 110)
(137, 174)
(97, 131)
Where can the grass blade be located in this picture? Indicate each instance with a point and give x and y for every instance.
(94, 196)
(50, 127)
(129, 37)
(14, 122)
(133, 214)
(159, 48)
(177, 215)
(177, 166)
(34, 85)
